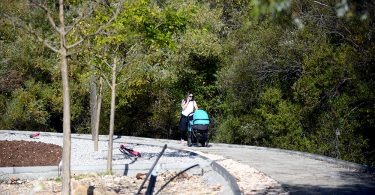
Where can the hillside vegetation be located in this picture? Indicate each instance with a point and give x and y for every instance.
(289, 74)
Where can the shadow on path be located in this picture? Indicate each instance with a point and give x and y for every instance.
(357, 183)
(126, 170)
(345, 189)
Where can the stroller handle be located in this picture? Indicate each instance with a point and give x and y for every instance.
(201, 119)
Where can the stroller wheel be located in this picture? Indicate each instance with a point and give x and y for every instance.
(189, 140)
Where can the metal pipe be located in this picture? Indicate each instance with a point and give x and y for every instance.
(162, 187)
(152, 168)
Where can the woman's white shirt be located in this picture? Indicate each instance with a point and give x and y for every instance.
(189, 108)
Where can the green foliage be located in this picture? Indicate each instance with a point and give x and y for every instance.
(302, 88)
(281, 121)
(329, 90)
(241, 130)
(57, 179)
(272, 6)
(28, 106)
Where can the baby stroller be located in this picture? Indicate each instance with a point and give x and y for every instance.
(198, 128)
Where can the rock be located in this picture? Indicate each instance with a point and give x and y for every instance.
(116, 180)
(97, 191)
(108, 177)
(140, 176)
(80, 189)
(38, 186)
(103, 192)
(216, 187)
(56, 188)
(13, 179)
(73, 183)
(184, 175)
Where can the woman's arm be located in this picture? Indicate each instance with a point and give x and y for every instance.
(195, 105)
(184, 104)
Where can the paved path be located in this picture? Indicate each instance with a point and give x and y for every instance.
(297, 173)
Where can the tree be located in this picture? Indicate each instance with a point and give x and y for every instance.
(62, 32)
(97, 116)
(93, 107)
(115, 69)
(299, 74)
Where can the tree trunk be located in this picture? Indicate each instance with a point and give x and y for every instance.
(62, 52)
(98, 108)
(66, 105)
(112, 118)
(93, 104)
(66, 126)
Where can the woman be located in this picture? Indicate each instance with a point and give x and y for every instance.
(188, 106)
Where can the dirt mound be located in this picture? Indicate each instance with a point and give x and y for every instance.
(25, 153)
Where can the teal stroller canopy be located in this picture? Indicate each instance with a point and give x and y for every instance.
(200, 117)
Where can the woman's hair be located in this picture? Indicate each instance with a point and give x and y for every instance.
(187, 95)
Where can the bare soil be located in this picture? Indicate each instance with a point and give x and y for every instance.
(25, 153)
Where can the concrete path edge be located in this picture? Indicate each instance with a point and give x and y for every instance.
(219, 169)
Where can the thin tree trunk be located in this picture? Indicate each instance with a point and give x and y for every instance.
(66, 105)
(98, 108)
(93, 104)
(112, 118)
(66, 126)
(62, 51)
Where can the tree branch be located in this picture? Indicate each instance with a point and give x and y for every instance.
(20, 23)
(77, 43)
(49, 16)
(122, 66)
(100, 28)
(40, 39)
(81, 18)
(104, 77)
(122, 82)
(107, 64)
(130, 50)
(106, 80)
(320, 3)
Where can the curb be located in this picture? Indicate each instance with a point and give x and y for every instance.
(227, 176)
(219, 169)
(29, 172)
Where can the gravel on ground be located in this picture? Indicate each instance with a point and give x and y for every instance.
(100, 184)
(249, 179)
